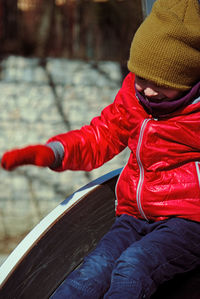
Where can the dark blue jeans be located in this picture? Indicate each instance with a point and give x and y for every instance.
(134, 258)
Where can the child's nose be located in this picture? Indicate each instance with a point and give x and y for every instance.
(149, 92)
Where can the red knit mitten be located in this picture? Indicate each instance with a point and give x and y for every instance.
(39, 155)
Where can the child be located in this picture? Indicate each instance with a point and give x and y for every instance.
(157, 115)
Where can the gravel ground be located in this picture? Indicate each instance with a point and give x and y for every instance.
(40, 99)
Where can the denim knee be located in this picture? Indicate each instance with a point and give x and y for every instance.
(132, 272)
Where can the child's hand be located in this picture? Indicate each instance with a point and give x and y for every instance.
(39, 155)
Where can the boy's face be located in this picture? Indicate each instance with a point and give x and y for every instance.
(154, 92)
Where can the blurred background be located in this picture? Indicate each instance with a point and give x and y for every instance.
(83, 29)
(61, 63)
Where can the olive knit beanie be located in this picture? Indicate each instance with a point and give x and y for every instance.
(166, 47)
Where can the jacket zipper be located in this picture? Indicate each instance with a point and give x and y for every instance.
(198, 171)
(141, 168)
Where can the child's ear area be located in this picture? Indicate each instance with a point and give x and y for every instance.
(139, 83)
(140, 78)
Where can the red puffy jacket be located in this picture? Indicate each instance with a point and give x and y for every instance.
(162, 176)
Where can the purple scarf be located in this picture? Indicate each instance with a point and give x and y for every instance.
(164, 108)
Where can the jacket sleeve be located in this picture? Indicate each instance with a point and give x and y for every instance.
(94, 144)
